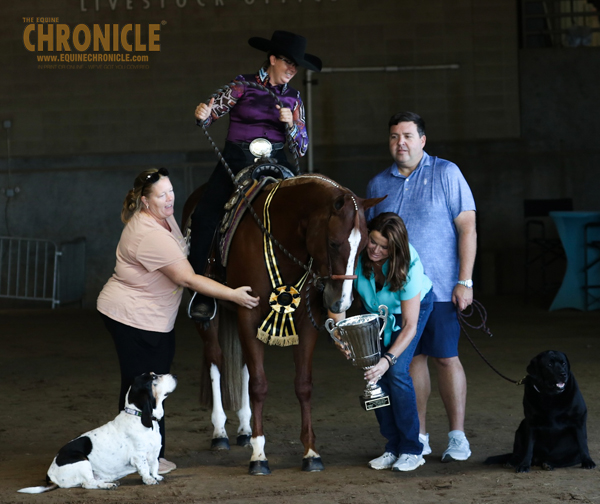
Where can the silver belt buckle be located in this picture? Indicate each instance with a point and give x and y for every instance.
(260, 148)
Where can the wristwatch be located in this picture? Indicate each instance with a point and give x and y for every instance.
(391, 358)
(466, 283)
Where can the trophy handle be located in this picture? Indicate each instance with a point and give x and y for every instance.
(383, 314)
(331, 327)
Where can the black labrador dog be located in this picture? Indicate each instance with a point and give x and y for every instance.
(553, 432)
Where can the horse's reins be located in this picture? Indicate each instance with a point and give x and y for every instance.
(315, 280)
(462, 320)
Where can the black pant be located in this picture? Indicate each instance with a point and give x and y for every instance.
(209, 210)
(141, 352)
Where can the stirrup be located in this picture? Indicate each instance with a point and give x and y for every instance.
(202, 308)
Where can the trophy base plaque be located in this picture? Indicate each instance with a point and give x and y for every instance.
(369, 404)
(360, 336)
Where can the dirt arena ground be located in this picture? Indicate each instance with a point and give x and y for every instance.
(59, 378)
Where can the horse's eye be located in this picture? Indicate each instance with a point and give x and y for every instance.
(334, 245)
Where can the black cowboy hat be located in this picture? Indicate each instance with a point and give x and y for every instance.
(290, 45)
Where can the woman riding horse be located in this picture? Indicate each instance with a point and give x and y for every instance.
(253, 114)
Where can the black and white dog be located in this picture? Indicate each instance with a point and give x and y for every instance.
(129, 443)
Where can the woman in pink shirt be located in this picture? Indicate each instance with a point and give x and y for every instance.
(139, 303)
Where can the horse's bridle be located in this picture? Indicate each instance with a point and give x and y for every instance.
(356, 225)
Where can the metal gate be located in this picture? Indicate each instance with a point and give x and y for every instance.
(42, 270)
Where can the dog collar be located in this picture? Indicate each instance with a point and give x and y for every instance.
(137, 413)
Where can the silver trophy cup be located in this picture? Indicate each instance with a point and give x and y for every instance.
(361, 335)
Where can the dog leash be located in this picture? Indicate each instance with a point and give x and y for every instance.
(462, 320)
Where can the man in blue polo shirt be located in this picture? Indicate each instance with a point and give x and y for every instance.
(437, 206)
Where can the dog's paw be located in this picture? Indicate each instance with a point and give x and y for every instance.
(149, 480)
(159, 477)
(102, 485)
(523, 468)
(588, 464)
(547, 467)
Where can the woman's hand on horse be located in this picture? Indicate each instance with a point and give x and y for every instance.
(242, 296)
(377, 371)
(285, 115)
(203, 110)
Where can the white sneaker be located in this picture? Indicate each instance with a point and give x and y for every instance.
(424, 438)
(458, 447)
(408, 462)
(384, 462)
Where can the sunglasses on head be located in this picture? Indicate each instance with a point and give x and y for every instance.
(153, 177)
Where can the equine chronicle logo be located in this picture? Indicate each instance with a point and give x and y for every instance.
(99, 47)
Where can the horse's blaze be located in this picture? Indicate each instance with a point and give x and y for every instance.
(354, 241)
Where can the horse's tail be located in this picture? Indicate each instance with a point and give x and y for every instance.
(231, 371)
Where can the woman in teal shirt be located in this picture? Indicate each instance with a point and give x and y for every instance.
(390, 272)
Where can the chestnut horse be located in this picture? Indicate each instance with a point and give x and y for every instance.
(311, 216)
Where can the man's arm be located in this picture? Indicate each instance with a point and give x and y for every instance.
(467, 249)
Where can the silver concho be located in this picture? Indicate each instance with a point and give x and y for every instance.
(260, 147)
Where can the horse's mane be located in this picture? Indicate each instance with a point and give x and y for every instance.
(310, 178)
(321, 180)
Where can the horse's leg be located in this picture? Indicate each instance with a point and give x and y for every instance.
(220, 440)
(234, 374)
(213, 360)
(303, 355)
(254, 356)
(244, 413)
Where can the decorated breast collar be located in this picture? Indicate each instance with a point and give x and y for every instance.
(278, 328)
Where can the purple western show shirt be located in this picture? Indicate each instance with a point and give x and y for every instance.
(253, 114)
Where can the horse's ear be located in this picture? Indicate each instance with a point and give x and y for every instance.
(371, 202)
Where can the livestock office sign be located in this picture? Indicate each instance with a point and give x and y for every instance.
(98, 5)
(59, 46)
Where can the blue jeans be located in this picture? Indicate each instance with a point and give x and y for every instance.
(399, 422)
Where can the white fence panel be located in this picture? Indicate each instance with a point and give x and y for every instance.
(42, 270)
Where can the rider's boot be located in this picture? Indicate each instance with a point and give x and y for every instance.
(204, 308)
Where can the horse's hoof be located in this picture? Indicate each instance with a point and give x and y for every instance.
(218, 444)
(312, 464)
(259, 468)
(243, 440)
